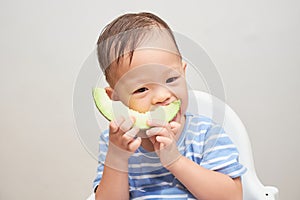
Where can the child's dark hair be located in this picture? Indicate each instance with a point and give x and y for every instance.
(123, 35)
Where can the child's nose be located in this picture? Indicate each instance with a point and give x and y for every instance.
(162, 96)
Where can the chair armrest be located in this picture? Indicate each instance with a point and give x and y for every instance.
(271, 193)
(91, 197)
(253, 189)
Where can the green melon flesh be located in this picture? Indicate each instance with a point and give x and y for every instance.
(115, 109)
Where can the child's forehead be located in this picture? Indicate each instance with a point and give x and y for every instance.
(147, 64)
(152, 70)
(152, 61)
(148, 56)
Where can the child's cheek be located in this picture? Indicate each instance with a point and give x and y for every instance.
(181, 92)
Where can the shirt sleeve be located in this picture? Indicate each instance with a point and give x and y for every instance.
(220, 154)
(103, 146)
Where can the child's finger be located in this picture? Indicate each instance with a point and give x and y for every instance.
(164, 140)
(152, 140)
(132, 132)
(126, 124)
(132, 146)
(175, 126)
(157, 131)
(118, 121)
(129, 136)
(113, 127)
(156, 122)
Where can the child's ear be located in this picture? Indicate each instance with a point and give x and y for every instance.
(183, 65)
(111, 94)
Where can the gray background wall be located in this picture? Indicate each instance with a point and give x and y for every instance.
(254, 44)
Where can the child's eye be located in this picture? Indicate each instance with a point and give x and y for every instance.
(170, 80)
(140, 90)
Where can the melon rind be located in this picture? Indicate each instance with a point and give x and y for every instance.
(114, 109)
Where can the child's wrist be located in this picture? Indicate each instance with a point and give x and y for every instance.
(117, 158)
(174, 161)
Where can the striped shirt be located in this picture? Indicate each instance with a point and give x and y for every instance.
(201, 140)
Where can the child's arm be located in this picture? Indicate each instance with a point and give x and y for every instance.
(113, 185)
(114, 181)
(204, 183)
(201, 182)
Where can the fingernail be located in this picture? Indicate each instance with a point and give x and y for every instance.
(147, 132)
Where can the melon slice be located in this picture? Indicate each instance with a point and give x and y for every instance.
(114, 109)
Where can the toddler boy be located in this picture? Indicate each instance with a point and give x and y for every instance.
(188, 158)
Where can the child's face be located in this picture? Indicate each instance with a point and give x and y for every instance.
(154, 78)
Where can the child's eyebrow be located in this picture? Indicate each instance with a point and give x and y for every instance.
(172, 71)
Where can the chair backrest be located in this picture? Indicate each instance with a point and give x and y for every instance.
(210, 106)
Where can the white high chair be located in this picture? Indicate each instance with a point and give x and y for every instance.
(210, 106)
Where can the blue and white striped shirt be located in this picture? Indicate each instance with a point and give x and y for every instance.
(201, 140)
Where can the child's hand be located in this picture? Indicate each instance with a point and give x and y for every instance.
(122, 143)
(162, 136)
(121, 134)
